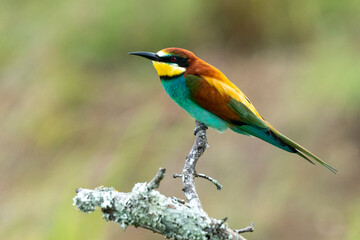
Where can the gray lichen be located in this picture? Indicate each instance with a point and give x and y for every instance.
(151, 210)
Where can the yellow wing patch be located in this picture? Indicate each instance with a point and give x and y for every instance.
(168, 70)
(225, 87)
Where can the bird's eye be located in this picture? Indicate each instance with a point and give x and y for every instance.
(173, 59)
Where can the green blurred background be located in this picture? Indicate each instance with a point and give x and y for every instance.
(77, 111)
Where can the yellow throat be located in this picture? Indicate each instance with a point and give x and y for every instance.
(167, 69)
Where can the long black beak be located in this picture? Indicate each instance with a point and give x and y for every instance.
(148, 55)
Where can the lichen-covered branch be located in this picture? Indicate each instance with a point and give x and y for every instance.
(147, 208)
(171, 217)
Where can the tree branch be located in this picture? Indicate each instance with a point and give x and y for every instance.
(171, 217)
(146, 208)
(189, 172)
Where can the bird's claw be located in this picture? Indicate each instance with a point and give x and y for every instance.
(200, 127)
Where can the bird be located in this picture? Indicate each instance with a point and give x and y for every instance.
(212, 99)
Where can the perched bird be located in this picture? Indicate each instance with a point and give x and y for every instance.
(209, 97)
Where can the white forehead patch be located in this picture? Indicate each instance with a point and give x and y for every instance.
(161, 53)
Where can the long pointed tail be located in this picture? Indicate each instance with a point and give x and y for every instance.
(272, 136)
(303, 152)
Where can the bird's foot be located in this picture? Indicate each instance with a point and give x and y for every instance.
(199, 127)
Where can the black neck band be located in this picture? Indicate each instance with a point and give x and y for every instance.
(166, 77)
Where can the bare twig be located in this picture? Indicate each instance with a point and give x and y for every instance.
(178, 200)
(215, 182)
(153, 184)
(250, 228)
(222, 221)
(175, 175)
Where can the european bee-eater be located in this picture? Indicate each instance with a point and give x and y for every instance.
(208, 96)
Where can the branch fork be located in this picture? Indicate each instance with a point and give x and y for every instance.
(169, 216)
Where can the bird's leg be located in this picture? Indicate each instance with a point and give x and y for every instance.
(199, 126)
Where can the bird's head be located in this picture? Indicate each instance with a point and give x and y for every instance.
(169, 62)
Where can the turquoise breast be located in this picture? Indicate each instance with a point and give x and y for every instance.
(177, 89)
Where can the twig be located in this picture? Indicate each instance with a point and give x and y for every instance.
(175, 175)
(178, 200)
(250, 228)
(215, 182)
(155, 182)
(201, 175)
(222, 221)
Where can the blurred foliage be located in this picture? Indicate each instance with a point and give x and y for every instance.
(253, 24)
(353, 229)
(77, 111)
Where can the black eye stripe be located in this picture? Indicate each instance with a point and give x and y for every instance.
(181, 61)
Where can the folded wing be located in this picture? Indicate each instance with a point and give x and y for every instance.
(224, 99)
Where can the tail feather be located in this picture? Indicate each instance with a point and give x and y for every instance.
(305, 157)
(303, 152)
(272, 136)
(306, 154)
